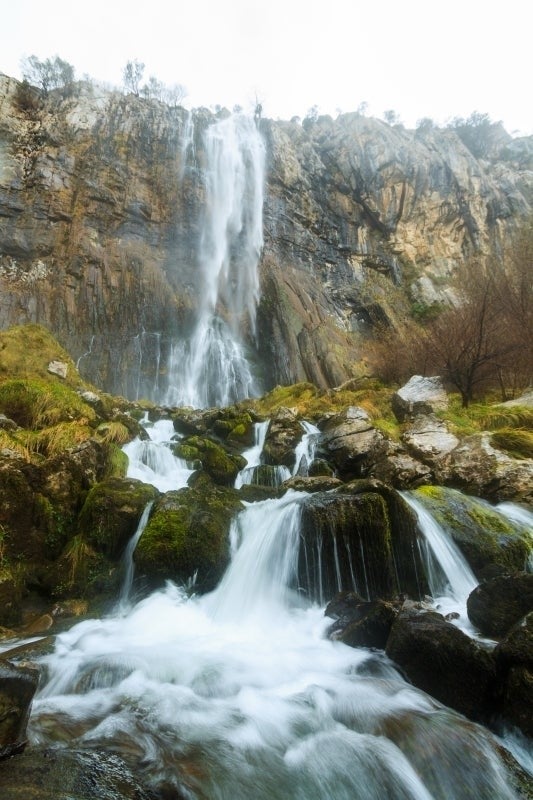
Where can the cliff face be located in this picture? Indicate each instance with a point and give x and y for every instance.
(102, 202)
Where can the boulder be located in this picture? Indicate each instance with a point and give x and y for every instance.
(429, 439)
(358, 538)
(399, 469)
(420, 395)
(359, 623)
(320, 483)
(351, 443)
(220, 465)
(17, 687)
(443, 661)
(517, 646)
(59, 368)
(518, 698)
(111, 513)
(188, 534)
(498, 604)
(283, 435)
(480, 469)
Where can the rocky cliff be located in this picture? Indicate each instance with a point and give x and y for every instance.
(101, 206)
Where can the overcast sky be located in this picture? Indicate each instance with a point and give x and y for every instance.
(435, 58)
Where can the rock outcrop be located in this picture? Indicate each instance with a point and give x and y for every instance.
(101, 209)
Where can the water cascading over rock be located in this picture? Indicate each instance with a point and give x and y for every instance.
(212, 367)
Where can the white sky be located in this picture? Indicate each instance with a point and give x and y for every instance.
(435, 58)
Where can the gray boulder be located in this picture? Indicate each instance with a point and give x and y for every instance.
(420, 395)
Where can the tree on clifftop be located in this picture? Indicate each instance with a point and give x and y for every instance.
(132, 76)
(48, 74)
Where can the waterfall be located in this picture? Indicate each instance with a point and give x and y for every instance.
(153, 462)
(306, 448)
(240, 694)
(253, 454)
(127, 560)
(211, 368)
(448, 570)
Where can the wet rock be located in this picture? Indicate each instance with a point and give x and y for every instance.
(359, 623)
(58, 774)
(419, 396)
(283, 435)
(220, 465)
(17, 687)
(441, 660)
(111, 513)
(358, 538)
(498, 604)
(517, 646)
(518, 698)
(400, 470)
(187, 534)
(351, 443)
(490, 542)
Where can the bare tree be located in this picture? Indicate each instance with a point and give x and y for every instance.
(132, 76)
(48, 74)
(173, 95)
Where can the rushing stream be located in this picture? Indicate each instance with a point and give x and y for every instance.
(238, 694)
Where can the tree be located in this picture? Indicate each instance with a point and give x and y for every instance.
(173, 95)
(132, 76)
(48, 74)
(475, 132)
(153, 89)
(391, 117)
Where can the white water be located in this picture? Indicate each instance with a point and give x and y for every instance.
(253, 454)
(124, 603)
(211, 368)
(239, 695)
(449, 576)
(153, 461)
(306, 448)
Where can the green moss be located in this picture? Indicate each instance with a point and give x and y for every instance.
(219, 465)
(187, 534)
(486, 538)
(117, 462)
(111, 513)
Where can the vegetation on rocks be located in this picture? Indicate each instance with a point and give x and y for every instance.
(187, 535)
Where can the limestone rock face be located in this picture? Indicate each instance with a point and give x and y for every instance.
(429, 439)
(101, 212)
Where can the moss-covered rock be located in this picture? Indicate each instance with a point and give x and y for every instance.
(489, 541)
(111, 513)
(353, 542)
(187, 534)
(221, 466)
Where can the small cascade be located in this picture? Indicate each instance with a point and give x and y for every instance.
(212, 367)
(187, 144)
(305, 451)
(153, 461)
(448, 573)
(253, 455)
(127, 560)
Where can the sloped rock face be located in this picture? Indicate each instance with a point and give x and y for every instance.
(101, 211)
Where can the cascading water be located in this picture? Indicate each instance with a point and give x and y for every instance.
(124, 602)
(253, 455)
(305, 451)
(239, 694)
(449, 576)
(152, 461)
(212, 368)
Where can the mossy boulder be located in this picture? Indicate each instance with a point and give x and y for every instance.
(111, 513)
(489, 541)
(221, 466)
(352, 542)
(187, 534)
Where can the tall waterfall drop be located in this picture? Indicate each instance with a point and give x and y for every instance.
(211, 368)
